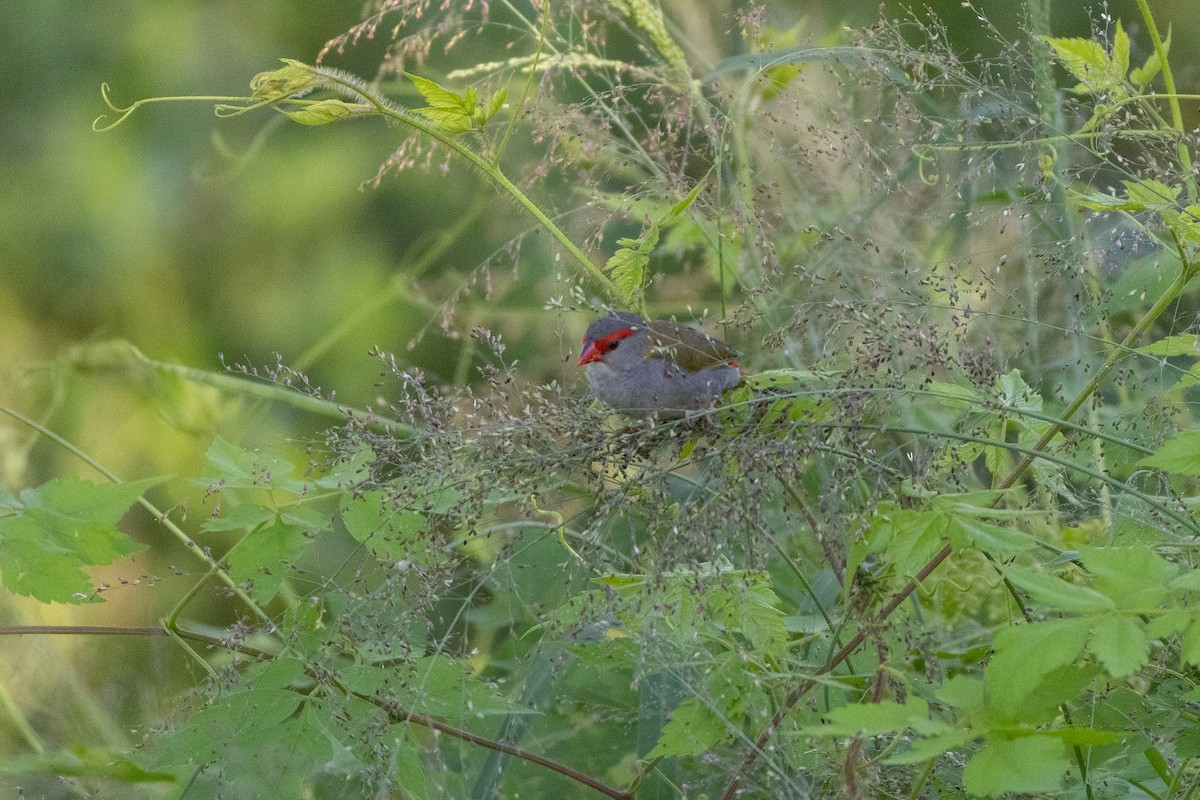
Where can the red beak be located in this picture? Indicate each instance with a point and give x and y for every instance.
(590, 353)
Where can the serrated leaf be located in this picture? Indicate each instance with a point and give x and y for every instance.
(693, 729)
(953, 395)
(306, 517)
(453, 122)
(233, 467)
(908, 538)
(1099, 201)
(684, 204)
(60, 527)
(1146, 72)
(1189, 581)
(1168, 622)
(627, 267)
(871, 719)
(451, 111)
(1120, 54)
(1152, 194)
(1025, 656)
(1015, 393)
(929, 747)
(1119, 644)
(262, 558)
(1087, 61)
(496, 102)
(964, 531)
(1058, 594)
(438, 97)
(1135, 578)
(389, 534)
(1028, 764)
(1179, 456)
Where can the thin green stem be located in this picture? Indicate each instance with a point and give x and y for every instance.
(1181, 148)
(1169, 296)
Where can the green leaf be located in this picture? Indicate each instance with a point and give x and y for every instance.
(412, 774)
(267, 743)
(1179, 456)
(240, 517)
(1169, 622)
(954, 395)
(964, 692)
(1088, 62)
(1028, 764)
(908, 538)
(323, 112)
(1146, 72)
(1189, 648)
(1152, 194)
(61, 526)
(627, 265)
(987, 536)
(693, 729)
(684, 204)
(438, 97)
(1136, 578)
(496, 102)
(306, 517)
(929, 747)
(455, 113)
(262, 558)
(83, 761)
(1058, 594)
(1025, 657)
(1120, 645)
(453, 122)
(871, 719)
(1188, 581)
(751, 607)
(389, 535)
(233, 467)
(1099, 201)
(1016, 394)
(1087, 737)
(1120, 55)
(1181, 344)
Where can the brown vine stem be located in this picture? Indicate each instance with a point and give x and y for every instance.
(400, 714)
(51, 630)
(397, 712)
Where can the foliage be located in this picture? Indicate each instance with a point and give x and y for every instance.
(938, 545)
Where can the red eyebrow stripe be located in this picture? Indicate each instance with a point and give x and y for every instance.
(616, 336)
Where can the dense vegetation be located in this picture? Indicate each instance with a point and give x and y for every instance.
(939, 543)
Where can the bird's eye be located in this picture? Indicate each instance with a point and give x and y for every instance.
(608, 348)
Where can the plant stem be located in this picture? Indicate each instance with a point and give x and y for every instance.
(1169, 296)
(1181, 148)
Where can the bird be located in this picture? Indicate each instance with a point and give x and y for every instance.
(658, 369)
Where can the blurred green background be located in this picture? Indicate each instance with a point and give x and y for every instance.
(147, 234)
